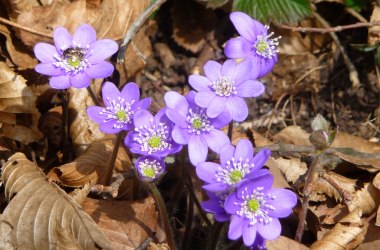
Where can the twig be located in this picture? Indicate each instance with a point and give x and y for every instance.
(113, 189)
(354, 76)
(306, 195)
(330, 29)
(164, 214)
(136, 25)
(21, 27)
(346, 195)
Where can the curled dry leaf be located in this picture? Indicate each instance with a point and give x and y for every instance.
(284, 243)
(91, 166)
(16, 98)
(41, 215)
(126, 224)
(192, 24)
(345, 235)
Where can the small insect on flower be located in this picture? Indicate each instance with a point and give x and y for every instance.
(120, 107)
(254, 43)
(152, 135)
(75, 60)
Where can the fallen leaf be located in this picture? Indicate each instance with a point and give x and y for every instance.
(284, 243)
(91, 166)
(17, 98)
(41, 214)
(126, 224)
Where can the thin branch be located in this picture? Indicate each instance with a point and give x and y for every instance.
(345, 194)
(111, 191)
(21, 27)
(136, 25)
(330, 29)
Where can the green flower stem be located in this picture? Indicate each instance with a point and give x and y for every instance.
(65, 125)
(111, 163)
(230, 130)
(164, 214)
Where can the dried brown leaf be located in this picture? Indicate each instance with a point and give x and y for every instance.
(374, 32)
(292, 168)
(284, 243)
(192, 24)
(127, 224)
(293, 135)
(41, 215)
(347, 234)
(91, 166)
(17, 98)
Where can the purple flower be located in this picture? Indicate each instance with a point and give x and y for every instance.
(75, 60)
(215, 205)
(253, 43)
(152, 135)
(120, 107)
(149, 168)
(236, 165)
(255, 209)
(193, 127)
(224, 87)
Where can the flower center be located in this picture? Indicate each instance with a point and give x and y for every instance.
(73, 59)
(198, 121)
(119, 111)
(224, 86)
(149, 168)
(265, 45)
(121, 115)
(234, 171)
(154, 138)
(236, 176)
(154, 141)
(255, 207)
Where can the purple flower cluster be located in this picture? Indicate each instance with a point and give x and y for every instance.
(239, 190)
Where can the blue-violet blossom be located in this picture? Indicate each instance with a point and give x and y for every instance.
(149, 168)
(152, 135)
(194, 127)
(253, 43)
(224, 87)
(120, 107)
(255, 209)
(75, 60)
(236, 165)
(215, 205)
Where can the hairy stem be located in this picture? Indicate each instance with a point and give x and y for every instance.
(111, 163)
(164, 214)
(93, 96)
(306, 195)
(65, 125)
(214, 236)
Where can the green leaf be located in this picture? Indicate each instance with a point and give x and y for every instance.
(213, 4)
(357, 5)
(277, 11)
(377, 57)
(365, 47)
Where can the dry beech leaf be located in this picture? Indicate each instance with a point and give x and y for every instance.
(192, 24)
(126, 224)
(18, 6)
(345, 235)
(293, 135)
(51, 126)
(17, 98)
(154, 246)
(91, 165)
(374, 32)
(22, 59)
(284, 243)
(292, 168)
(41, 215)
(83, 130)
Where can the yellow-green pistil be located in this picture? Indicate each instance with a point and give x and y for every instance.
(197, 123)
(236, 176)
(253, 205)
(74, 62)
(154, 142)
(149, 172)
(262, 46)
(121, 115)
